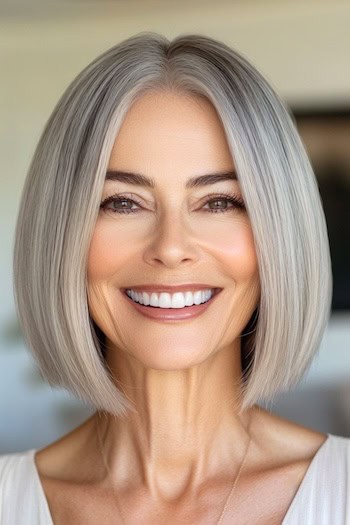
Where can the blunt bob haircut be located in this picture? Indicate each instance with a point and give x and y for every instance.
(61, 198)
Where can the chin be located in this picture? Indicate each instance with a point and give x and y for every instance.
(170, 359)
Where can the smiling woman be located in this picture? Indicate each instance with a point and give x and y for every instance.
(172, 269)
(171, 217)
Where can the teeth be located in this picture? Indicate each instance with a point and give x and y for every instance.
(167, 300)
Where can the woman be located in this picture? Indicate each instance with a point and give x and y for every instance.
(172, 269)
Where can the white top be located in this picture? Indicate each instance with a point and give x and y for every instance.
(323, 497)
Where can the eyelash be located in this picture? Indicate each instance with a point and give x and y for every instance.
(228, 197)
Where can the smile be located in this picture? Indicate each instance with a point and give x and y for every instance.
(175, 300)
(173, 313)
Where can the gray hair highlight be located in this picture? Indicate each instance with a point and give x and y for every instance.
(61, 197)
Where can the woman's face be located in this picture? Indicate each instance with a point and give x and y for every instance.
(174, 235)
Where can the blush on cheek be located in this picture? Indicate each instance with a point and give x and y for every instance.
(246, 262)
(103, 253)
(238, 250)
(110, 251)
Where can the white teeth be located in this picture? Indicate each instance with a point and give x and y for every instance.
(166, 300)
(145, 298)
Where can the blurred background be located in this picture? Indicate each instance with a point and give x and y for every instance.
(302, 48)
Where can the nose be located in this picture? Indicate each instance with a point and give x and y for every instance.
(173, 242)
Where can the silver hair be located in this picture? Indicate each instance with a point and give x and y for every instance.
(61, 197)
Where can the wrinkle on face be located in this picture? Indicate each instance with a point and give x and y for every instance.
(180, 376)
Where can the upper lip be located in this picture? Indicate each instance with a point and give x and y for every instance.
(158, 288)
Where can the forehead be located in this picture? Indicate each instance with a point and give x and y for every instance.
(168, 131)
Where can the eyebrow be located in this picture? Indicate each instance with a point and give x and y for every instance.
(141, 180)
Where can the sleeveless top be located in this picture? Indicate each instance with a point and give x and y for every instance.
(323, 497)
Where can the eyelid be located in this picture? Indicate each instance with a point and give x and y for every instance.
(217, 195)
(118, 195)
(237, 201)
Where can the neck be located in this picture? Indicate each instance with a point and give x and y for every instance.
(186, 428)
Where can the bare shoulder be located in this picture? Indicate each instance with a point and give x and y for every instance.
(67, 474)
(281, 455)
(58, 459)
(283, 441)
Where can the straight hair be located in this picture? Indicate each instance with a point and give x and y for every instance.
(62, 192)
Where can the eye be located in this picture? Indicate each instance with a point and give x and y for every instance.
(121, 204)
(231, 199)
(118, 204)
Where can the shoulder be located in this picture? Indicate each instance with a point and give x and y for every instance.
(13, 467)
(324, 496)
(331, 467)
(283, 441)
(284, 444)
(15, 472)
(335, 460)
(317, 466)
(17, 482)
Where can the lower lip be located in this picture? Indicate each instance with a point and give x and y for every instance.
(173, 314)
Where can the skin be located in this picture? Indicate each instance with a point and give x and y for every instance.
(177, 456)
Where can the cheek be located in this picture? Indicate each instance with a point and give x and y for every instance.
(237, 249)
(233, 245)
(105, 253)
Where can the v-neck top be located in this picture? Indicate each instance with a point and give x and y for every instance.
(323, 497)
